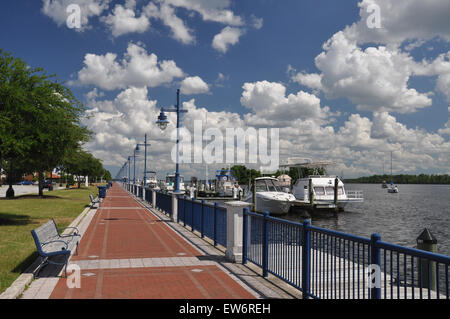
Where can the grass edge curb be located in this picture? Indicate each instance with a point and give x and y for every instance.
(20, 284)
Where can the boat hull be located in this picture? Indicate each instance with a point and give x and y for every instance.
(274, 207)
(392, 191)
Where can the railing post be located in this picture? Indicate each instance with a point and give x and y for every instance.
(245, 236)
(265, 255)
(306, 258)
(154, 198)
(234, 230)
(215, 224)
(375, 257)
(201, 219)
(174, 216)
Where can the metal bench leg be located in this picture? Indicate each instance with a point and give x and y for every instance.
(41, 265)
(65, 267)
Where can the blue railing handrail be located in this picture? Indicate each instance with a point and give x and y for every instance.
(205, 203)
(254, 214)
(415, 252)
(340, 234)
(383, 245)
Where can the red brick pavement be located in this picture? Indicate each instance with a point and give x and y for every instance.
(123, 229)
(194, 282)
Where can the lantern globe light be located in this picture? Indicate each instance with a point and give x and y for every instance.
(162, 121)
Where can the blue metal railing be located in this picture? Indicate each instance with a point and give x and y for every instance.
(164, 202)
(208, 219)
(326, 264)
(148, 196)
(409, 273)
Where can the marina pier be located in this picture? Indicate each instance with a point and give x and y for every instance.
(320, 263)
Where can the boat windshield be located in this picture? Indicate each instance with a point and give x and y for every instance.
(171, 179)
(330, 190)
(272, 186)
(319, 190)
(266, 185)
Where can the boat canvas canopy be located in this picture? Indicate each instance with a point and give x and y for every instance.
(317, 164)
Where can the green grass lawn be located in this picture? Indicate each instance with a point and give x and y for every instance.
(24, 213)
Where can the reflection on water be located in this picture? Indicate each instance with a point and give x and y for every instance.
(398, 218)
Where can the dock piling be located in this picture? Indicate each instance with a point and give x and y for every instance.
(311, 193)
(336, 184)
(254, 196)
(426, 241)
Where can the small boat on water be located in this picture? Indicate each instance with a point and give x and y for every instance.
(384, 185)
(269, 196)
(393, 188)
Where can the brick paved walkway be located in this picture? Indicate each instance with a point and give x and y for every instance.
(128, 252)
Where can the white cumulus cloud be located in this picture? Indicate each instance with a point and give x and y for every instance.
(123, 20)
(57, 10)
(137, 68)
(194, 85)
(227, 37)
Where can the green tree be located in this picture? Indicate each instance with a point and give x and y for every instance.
(81, 164)
(40, 119)
(244, 175)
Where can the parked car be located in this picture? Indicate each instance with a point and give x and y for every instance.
(46, 184)
(26, 183)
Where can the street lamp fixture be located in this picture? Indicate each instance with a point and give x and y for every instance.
(145, 157)
(162, 122)
(134, 164)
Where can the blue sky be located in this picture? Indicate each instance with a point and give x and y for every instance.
(277, 54)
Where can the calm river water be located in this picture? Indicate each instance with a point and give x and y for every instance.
(398, 218)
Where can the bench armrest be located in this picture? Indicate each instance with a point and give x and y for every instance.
(77, 233)
(56, 241)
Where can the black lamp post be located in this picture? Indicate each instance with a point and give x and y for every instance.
(162, 123)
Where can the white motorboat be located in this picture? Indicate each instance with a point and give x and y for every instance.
(225, 183)
(170, 183)
(393, 188)
(269, 196)
(152, 181)
(323, 186)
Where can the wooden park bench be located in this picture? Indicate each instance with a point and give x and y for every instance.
(50, 243)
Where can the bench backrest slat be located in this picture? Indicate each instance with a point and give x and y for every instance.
(46, 231)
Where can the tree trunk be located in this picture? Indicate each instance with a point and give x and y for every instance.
(10, 191)
(67, 180)
(41, 190)
(51, 181)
